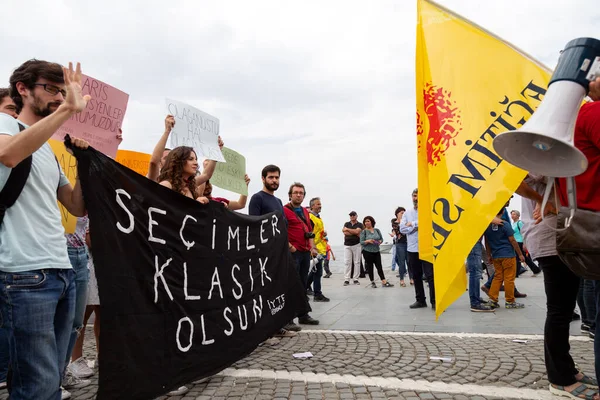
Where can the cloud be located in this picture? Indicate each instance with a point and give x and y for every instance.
(325, 90)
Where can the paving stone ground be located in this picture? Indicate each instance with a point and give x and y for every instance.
(481, 360)
(474, 360)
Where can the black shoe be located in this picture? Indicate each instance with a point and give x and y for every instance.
(346, 283)
(322, 298)
(520, 295)
(308, 320)
(482, 308)
(576, 317)
(328, 275)
(418, 304)
(592, 335)
(309, 292)
(585, 328)
(292, 327)
(356, 282)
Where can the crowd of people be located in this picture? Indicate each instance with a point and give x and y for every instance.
(48, 289)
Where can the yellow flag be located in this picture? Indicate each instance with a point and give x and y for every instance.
(471, 86)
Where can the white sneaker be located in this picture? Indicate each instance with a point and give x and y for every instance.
(179, 392)
(70, 381)
(80, 369)
(64, 394)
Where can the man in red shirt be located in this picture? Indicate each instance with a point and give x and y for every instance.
(300, 238)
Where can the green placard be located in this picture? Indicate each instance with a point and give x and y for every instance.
(230, 174)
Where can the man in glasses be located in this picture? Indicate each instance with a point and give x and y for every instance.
(37, 289)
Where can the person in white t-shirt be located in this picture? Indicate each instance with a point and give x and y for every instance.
(37, 289)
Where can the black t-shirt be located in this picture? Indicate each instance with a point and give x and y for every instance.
(263, 203)
(352, 240)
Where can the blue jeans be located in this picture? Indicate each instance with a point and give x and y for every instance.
(314, 278)
(394, 258)
(4, 352)
(79, 261)
(474, 266)
(36, 310)
(401, 260)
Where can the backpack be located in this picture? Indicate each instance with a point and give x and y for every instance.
(15, 183)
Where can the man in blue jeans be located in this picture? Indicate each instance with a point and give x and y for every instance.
(474, 266)
(37, 291)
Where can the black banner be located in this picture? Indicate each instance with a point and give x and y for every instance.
(186, 289)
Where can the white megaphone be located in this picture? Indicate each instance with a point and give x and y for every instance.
(544, 145)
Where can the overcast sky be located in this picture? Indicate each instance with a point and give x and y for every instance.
(324, 89)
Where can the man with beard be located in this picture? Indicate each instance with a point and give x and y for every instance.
(264, 202)
(409, 226)
(37, 288)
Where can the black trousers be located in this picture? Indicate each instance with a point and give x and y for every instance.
(534, 268)
(373, 259)
(420, 268)
(561, 287)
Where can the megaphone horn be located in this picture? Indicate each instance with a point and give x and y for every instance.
(544, 145)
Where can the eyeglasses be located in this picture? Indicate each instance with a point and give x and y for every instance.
(302, 193)
(53, 90)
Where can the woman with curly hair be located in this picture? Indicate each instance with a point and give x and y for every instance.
(179, 171)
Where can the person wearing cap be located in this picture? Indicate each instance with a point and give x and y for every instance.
(352, 248)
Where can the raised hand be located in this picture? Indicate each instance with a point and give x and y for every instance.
(75, 101)
(79, 143)
(247, 179)
(120, 135)
(169, 123)
(221, 143)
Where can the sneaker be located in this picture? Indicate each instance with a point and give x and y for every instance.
(328, 275)
(180, 391)
(485, 290)
(70, 381)
(418, 304)
(520, 295)
(346, 283)
(373, 285)
(492, 304)
(387, 284)
(592, 335)
(514, 305)
(482, 308)
(585, 328)
(356, 282)
(292, 327)
(285, 333)
(64, 394)
(309, 292)
(80, 369)
(308, 320)
(321, 298)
